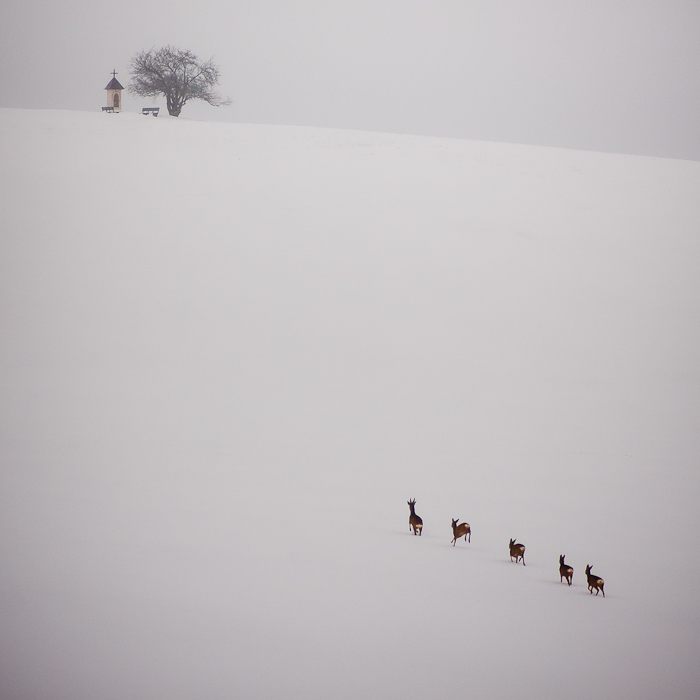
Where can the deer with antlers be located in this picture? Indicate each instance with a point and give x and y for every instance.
(565, 571)
(415, 522)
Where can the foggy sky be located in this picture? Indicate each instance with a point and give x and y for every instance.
(605, 75)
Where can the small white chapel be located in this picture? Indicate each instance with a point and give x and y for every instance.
(114, 93)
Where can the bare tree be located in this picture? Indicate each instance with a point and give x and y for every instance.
(178, 75)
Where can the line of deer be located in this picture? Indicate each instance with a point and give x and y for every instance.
(517, 550)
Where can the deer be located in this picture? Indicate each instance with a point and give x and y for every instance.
(594, 582)
(414, 521)
(518, 551)
(460, 530)
(565, 571)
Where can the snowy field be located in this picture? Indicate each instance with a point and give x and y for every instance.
(230, 355)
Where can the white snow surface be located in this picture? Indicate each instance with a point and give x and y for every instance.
(230, 355)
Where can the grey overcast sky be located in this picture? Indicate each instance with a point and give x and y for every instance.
(607, 75)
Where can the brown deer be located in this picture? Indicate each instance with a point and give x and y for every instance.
(565, 571)
(594, 582)
(460, 530)
(414, 521)
(517, 551)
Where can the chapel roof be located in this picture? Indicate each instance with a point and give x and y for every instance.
(114, 84)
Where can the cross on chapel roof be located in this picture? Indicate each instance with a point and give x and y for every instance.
(114, 84)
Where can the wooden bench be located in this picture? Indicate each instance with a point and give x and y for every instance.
(150, 110)
(109, 110)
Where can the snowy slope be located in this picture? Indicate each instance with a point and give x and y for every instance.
(231, 353)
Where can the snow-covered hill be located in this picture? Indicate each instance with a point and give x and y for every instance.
(230, 355)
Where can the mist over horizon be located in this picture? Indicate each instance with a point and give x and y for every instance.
(620, 77)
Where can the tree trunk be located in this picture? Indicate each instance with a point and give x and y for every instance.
(174, 106)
